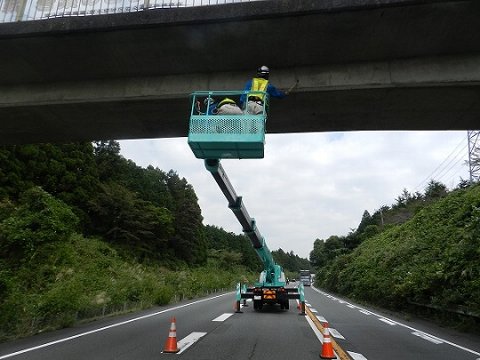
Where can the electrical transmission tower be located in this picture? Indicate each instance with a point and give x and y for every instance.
(474, 155)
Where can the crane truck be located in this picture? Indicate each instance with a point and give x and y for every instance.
(213, 137)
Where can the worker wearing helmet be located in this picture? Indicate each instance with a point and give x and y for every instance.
(259, 83)
(225, 107)
(210, 106)
(228, 107)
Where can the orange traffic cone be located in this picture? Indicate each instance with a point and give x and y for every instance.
(171, 343)
(327, 348)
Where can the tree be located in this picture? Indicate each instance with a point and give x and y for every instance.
(435, 190)
(127, 221)
(189, 240)
(219, 239)
(404, 199)
(66, 171)
(318, 256)
(108, 159)
(40, 218)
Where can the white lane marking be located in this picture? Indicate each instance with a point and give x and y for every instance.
(317, 332)
(313, 310)
(351, 306)
(427, 337)
(413, 329)
(336, 334)
(315, 329)
(356, 356)
(321, 319)
(107, 327)
(223, 317)
(366, 312)
(387, 321)
(189, 340)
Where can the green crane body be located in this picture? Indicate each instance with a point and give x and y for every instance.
(271, 287)
(215, 137)
(272, 275)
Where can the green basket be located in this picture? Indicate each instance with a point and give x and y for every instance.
(226, 136)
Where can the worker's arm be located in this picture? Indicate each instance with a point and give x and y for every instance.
(274, 92)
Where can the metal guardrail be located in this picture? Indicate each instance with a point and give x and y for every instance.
(28, 10)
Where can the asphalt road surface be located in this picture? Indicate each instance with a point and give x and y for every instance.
(210, 329)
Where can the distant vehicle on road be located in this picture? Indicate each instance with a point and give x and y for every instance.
(306, 277)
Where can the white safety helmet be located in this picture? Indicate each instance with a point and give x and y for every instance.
(263, 70)
(205, 102)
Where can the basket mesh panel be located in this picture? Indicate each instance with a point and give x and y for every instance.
(225, 125)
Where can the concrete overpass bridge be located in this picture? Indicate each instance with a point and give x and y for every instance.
(360, 65)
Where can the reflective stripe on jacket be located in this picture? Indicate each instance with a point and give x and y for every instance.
(258, 84)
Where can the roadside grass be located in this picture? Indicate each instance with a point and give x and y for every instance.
(82, 279)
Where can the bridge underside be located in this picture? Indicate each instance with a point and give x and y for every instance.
(359, 64)
(447, 108)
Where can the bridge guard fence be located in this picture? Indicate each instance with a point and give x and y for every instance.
(28, 10)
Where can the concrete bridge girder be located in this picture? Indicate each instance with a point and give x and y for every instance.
(418, 72)
(409, 94)
(360, 65)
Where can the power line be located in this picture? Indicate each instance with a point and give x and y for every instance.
(458, 157)
(431, 175)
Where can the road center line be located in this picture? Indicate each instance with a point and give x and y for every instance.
(106, 327)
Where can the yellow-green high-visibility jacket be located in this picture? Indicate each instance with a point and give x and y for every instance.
(258, 84)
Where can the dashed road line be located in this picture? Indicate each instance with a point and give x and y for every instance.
(416, 330)
(51, 343)
(356, 356)
(366, 312)
(427, 337)
(311, 318)
(321, 319)
(223, 317)
(336, 334)
(189, 340)
(387, 321)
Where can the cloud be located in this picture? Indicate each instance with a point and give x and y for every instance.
(313, 185)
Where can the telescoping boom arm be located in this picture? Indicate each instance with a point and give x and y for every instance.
(271, 288)
(235, 203)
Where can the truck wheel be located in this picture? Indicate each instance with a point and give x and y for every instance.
(257, 305)
(287, 305)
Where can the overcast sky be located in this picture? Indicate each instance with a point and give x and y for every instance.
(312, 186)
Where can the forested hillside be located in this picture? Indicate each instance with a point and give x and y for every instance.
(85, 232)
(420, 255)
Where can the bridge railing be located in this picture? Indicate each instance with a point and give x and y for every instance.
(28, 10)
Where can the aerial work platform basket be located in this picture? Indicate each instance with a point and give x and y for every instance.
(214, 135)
